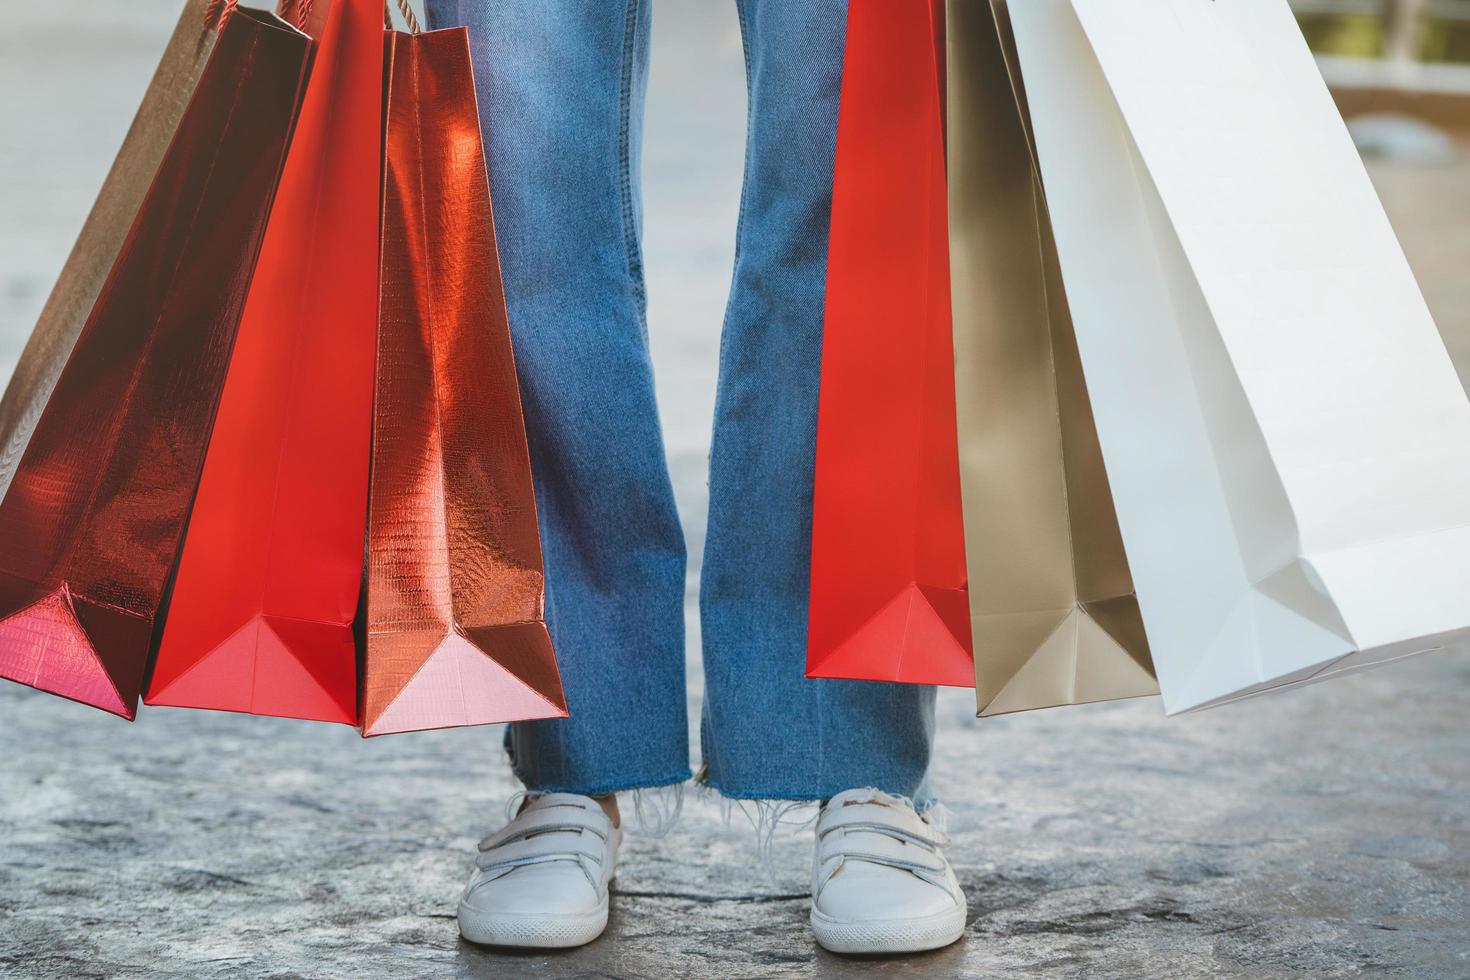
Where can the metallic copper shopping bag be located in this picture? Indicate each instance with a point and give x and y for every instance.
(269, 580)
(106, 228)
(888, 580)
(91, 525)
(1053, 611)
(455, 631)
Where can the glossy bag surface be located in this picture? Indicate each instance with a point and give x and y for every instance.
(91, 526)
(269, 579)
(455, 630)
(102, 236)
(888, 583)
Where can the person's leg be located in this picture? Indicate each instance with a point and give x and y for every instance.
(561, 86)
(768, 732)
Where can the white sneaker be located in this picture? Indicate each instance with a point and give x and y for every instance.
(880, 883)
(541, 882)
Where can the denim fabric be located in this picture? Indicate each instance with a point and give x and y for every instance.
(561, 86)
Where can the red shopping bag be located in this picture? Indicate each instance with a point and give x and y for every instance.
(260, 618)
(455, 625)
(92, 520)
(888, 585)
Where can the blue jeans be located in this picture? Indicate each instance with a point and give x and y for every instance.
(561, 86)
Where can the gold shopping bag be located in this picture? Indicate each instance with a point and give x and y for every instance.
(1052, 605)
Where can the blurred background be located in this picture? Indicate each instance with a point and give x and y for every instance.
(1398, 30)
(1323, 832)
(1400, 72)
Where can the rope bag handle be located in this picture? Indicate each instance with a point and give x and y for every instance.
(298, 13)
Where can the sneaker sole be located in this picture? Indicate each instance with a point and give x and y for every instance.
(888, 935)
(531, 931)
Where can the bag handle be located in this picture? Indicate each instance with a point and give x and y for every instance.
(409, 17)
(215, 11)
(299, 11)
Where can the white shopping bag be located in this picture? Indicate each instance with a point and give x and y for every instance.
(1287, 442)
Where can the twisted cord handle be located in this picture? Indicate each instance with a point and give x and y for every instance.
(298, 13)
(409, 17)
(215, 11)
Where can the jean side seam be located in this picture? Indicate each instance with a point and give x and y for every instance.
(625, 157)
(707, 748)
(822, 689)
(745, 176)
(745, 180)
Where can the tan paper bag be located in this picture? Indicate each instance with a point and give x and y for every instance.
(1052, 604)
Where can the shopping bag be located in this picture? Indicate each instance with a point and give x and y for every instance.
(91, 524)
(102, 236)
(1052, 607)
(455, 626)
(888, 595)
(260, 618)
(1286, 440)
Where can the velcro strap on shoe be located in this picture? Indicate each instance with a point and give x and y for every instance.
(881, 849)
(550, 820)
(556, 847)
(880, 819)
(540, 801)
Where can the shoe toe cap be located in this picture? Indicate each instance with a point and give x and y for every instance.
(546, 889)
(857, 893)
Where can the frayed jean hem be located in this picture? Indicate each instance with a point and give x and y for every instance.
(922, 804)
(602, 789)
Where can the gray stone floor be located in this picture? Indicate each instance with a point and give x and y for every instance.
(1321, 833)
